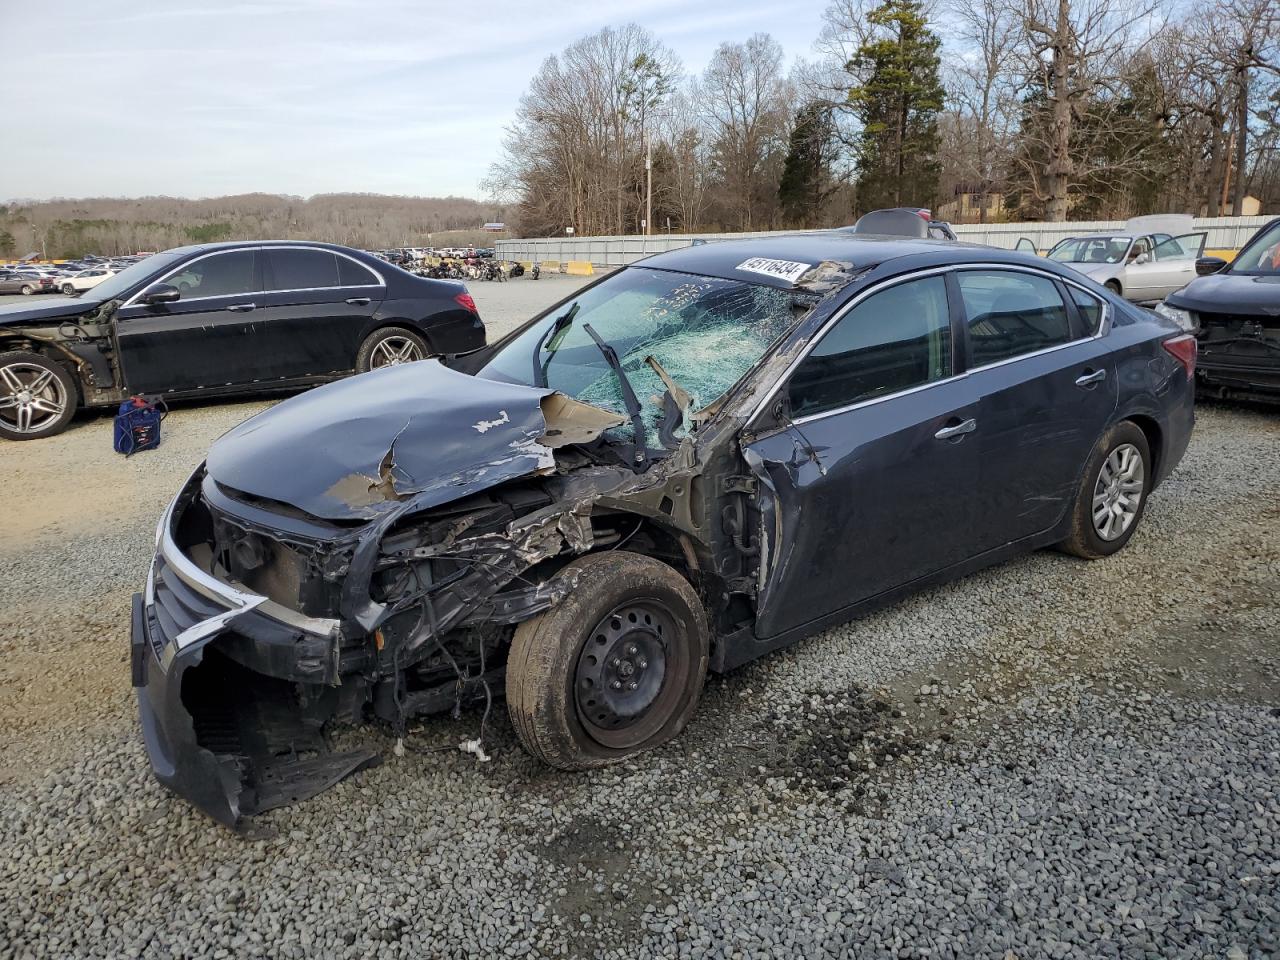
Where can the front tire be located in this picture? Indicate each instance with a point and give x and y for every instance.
(389, 347)
(68, 290)
(1112, 495)
(615, 669)
(37, 396)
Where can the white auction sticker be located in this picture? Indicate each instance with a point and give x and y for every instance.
(783, 269)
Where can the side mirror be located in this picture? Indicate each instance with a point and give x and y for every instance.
(1142, 258)
(162, 293)
(1207, 266)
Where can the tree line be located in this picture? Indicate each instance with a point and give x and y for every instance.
(1028, 109)
(110, 226)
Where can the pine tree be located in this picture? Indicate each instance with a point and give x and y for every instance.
(897, 99)
(806, 175)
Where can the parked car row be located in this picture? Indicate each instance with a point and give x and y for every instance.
(218, 320)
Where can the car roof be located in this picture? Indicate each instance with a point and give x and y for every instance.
(240, 244)
(855, 252)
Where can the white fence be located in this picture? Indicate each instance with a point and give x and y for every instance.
(1225, 233)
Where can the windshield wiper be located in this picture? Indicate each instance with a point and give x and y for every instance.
(628, 395)
(561, 324)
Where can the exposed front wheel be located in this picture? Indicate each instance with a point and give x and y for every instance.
(1112, 495)
(68, 290)
(390, 347)
(615, 669)
(37, 396)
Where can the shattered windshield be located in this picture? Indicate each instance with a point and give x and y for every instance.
(1091, 250)
(703, 332)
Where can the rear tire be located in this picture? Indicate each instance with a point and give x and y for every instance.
(390, 346)
(37, 396)
(28, 289)
(615, 669)
(68, 290)
(1112, 495)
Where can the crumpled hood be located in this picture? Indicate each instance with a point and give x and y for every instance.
(357, 448)
(1230, 293)
(46, 310)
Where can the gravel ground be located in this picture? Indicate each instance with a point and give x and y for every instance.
(1050, 758)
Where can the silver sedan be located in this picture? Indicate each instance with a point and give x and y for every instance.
(1142, 268)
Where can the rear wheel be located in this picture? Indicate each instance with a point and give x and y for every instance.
(1112, 495)
(37, 396)
(613, 670)
(390, 347)
(28, 289)
(69, 290)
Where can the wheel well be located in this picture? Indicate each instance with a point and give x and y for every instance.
(1114, 284)
(400, 324)
(1155, 439)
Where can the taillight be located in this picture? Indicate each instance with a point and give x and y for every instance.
(466, 301)
(1183, 349)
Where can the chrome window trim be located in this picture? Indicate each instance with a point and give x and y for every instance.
(133, 301)
(1104, 327)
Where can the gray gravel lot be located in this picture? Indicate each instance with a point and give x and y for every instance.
(1048, 759)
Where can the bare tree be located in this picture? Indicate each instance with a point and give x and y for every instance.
(748, 106)
(1077, 51)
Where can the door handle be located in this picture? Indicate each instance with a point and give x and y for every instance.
(1089, 379)
(957, 430)
(242, 307)
(359, 300)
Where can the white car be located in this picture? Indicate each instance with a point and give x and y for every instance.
(85, 280)
(1144, 263)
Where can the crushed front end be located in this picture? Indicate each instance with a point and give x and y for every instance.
(260, 625)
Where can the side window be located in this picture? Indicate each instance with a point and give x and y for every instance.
(303, 269)
(1010, 314)
(221, 275)
(896, 339)
(352, 274)
(1089, 307)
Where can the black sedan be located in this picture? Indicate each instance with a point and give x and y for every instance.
(1235, 311)
(222, 319)
(701, 458)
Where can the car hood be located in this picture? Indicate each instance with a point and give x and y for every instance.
(1096, 271)
(1230, 293)
(46, 311)
(358, 448)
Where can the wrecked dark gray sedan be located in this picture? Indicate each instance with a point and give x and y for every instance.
(694, 461)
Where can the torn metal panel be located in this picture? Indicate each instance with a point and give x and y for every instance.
(326, 452)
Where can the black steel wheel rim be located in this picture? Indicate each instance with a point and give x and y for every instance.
(627, 681)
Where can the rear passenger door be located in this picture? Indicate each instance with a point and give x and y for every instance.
(319, 303)
(1038, 355)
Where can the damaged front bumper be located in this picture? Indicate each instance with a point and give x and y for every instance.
(232, 740)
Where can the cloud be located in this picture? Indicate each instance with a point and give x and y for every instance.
(186, 98)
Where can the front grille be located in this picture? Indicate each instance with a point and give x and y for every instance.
(176, 608)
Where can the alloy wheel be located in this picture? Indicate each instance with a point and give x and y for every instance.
(1117, 493)
(393, 351)
(31, 397)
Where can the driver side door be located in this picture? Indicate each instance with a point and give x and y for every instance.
(1170, 266)
(204, 340)
(867, 481)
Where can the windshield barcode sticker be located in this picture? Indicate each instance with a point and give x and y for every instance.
(783, 269)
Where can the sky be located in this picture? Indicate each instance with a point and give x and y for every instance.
(200, 99)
